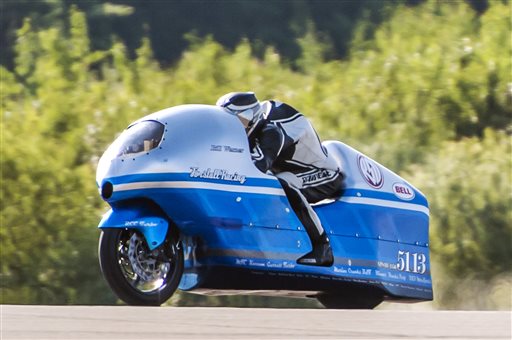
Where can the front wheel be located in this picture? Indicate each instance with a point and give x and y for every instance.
(135, 274)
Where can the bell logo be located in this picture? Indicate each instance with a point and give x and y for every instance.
(370, 172)
(403, 191)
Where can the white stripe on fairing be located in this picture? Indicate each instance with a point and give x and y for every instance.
(199, 185)
(385, 203)
(261, 190)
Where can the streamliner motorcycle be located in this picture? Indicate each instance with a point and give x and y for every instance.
(189, 210)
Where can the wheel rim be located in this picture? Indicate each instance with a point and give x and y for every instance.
(146, 271)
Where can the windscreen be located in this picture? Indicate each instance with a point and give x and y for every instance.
(140, 137)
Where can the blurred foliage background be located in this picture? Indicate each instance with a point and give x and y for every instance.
(423, 87)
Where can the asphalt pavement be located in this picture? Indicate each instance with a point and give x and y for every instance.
(124, 322)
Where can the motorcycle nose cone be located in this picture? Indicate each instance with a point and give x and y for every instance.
(107, 189)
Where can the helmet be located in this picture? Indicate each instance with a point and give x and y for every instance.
(244, 105)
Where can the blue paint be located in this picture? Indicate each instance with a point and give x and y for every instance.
(154, 228)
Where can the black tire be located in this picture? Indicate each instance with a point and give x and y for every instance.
(118, 269)
(354, 300)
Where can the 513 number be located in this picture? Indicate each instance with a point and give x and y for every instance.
(412, 262)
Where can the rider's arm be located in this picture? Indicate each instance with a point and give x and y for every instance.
(269, 144)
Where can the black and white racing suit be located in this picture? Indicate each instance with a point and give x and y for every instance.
(286, 144)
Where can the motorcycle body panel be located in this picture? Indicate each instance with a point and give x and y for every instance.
(237, 227)
(154, 227)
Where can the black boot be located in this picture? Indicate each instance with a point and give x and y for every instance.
(321, 255)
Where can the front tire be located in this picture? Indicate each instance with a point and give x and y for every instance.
(135, 274)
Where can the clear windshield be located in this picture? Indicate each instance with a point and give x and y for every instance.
(140, 137)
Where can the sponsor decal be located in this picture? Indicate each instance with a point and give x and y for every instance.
(321, 174)
(419, 279)
(289, 265)
(381, 274)
(132, 224)
(241, 262)
(386, 265)
(271, 264)
(219, 174)
(396, 276)
(255, 263)
(353, 271)
(267, 264)
(403, 191)
(370, 172)
(225, 148)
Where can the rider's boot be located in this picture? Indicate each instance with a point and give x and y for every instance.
(321, 255)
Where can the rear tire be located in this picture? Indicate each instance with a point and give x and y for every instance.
(135, 274)
(364, 299)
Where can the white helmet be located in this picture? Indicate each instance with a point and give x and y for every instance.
(244, 105)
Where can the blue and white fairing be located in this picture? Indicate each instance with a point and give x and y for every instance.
(189, 167)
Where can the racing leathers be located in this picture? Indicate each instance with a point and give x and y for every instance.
(286, 144)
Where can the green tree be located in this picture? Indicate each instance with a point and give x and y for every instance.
(468, 184)
(49, 200)
(429, 101)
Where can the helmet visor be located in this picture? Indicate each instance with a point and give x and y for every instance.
(247, 116)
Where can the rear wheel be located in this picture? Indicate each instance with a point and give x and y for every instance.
(364, 299)
(135, 274)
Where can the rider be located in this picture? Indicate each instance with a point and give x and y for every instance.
(284, 142)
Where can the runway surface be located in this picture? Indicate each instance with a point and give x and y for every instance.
(123, 322)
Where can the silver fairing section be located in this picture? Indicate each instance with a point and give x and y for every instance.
(196, 138)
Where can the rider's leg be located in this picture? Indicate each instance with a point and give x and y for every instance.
(330, 186)
(321, 255)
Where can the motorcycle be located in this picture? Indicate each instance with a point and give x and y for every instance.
(190, 211)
